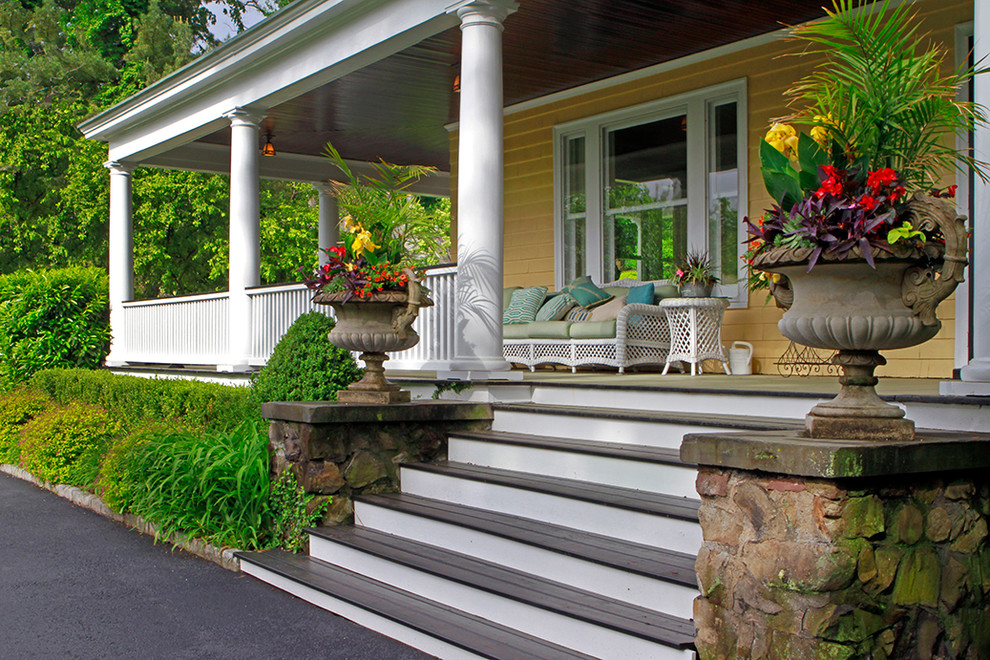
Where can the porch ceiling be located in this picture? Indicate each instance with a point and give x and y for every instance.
(397, 107)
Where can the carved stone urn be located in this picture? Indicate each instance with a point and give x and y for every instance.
(859, 310)
(373, 326)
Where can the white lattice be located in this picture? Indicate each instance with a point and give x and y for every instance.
(695, 331)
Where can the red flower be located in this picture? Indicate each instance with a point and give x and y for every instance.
(951, 191)
(882, 177)
(868, 203)
(830, 186)
(897, 193)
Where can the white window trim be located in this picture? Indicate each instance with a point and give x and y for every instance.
(696, 104)
(963, 32)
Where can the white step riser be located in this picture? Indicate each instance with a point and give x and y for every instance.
(657, 531)
(577, 427)
(360, 616)
(604, 580)
(975, 419)
(651, 477)
(556, 628)
(697, 402)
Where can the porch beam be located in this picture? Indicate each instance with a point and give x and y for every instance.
(245, 233)
(121, 244)
(975, 376)
(480, 190)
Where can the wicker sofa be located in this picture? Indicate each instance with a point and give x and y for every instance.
(638, 336)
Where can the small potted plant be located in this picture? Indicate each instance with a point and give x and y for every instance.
(369, 279)
(696, 276)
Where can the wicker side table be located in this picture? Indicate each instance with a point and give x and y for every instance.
(695, 331)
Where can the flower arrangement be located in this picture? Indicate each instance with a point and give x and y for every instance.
(696, 268)
(882, 116)
(381, 227)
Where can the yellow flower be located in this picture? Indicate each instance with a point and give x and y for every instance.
(363, 242)
(350, 225)
(781, 137)
(820, 135)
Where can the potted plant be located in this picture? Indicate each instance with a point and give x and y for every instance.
(860, 245)
(369, 278)
(696, 276)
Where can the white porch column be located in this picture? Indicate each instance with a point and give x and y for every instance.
(329, 228)
(121, 242)
(976, 375)
(480, 174)
(245, 233)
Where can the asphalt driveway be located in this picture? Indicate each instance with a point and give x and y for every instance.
(76, 585)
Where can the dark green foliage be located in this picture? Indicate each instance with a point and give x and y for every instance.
(131, 400)
(66, 445)
(209, 485)
(305, 366)
(17, 408)
(289, 516)
(52, 319)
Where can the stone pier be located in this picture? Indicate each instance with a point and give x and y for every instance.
(339, 450)
(842, 548)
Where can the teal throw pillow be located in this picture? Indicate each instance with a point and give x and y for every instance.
(642, 294)
(555, 308)
(524, 304)
(586, 293)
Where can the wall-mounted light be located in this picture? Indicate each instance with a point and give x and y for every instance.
(457, 84)
(269, 148)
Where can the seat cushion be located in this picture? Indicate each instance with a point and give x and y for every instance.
(556, 307)
(593, 330)
(524, 304)
(514, 331)
(548, 329)
(666, 291)
(587, 293)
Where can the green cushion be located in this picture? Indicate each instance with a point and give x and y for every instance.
(548, 329)
(616, 290)
(642, 294)
(593, 330)
(507, 296)
(666, 291)
(514, 331)
(586, 293)
(555, 308)
(524, 304)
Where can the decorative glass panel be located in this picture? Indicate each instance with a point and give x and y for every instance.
(645, 200)
(723, 192)
(574, 208)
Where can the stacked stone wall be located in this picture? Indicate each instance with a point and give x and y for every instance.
(795, 567)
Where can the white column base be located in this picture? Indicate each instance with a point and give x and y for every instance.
(479, 375)
(233, 368)
(963, 388)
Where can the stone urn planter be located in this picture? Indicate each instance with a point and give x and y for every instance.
(374, 326)
(859, 310)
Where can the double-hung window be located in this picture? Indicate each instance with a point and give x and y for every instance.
(638, 188)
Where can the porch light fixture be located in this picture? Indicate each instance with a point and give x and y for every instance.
(457, 84)
(269, 148)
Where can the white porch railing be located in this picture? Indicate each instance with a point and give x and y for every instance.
(181, 330)
(194, 329)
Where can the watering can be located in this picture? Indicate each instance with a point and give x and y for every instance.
(740, 358)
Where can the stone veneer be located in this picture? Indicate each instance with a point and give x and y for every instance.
(341, 450)
(848, 549)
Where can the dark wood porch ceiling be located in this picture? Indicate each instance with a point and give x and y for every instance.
(397, 108)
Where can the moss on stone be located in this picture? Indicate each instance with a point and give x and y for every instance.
(918, 579)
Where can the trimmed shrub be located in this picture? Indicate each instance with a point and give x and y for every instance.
(52, 319)
(211, 485)
(17, 408)
(132, 400)
(305, 366)
(66, 445)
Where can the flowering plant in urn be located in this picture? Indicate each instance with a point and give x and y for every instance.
(862, 242)
(369, 278)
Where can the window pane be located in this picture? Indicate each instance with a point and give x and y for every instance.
(645, 220)
(575, 215)
(723, 192)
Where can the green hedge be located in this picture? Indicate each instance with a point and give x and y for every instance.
(131, 400)
(66, 445)
(54, 318)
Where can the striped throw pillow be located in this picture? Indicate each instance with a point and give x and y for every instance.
(524, 305)
(577, 315)
(555, 308)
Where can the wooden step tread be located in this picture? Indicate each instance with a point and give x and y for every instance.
(671, 506)
(658, 563)
(717, 420)
(466, 631)
(665, 455)
(533, 590)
